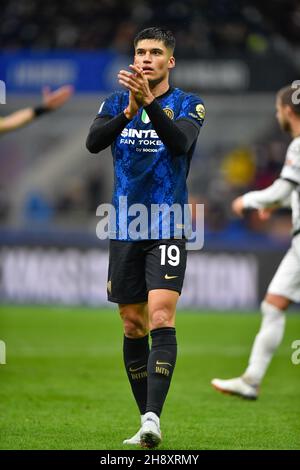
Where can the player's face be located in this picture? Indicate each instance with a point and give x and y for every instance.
(154, 58)
(282, 116)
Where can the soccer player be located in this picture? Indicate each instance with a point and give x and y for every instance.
(152, 129)
(285, 285)
(51, 101)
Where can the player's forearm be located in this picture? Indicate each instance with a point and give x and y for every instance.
(104, 131)
(17, 119)
(275, 195)
(21, 118)
(178, 137)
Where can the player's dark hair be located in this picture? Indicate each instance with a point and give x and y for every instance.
(158, 34)
(291, 97)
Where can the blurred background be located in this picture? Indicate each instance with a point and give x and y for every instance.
(234, 53)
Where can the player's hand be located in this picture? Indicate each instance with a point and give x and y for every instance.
(132, 107)
(57, 98)
(265, 214)
(238, 206)
(138, 84)
(144, 90)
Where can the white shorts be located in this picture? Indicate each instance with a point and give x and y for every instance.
(286, 281)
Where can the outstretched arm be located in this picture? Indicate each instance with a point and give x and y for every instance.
(275, 195)
(51, 101)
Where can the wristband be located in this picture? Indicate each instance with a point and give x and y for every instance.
(39, 110)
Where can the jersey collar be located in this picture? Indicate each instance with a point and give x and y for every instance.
(166, 93)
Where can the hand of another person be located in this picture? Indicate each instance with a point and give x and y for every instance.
(56, 99)
(238, 206)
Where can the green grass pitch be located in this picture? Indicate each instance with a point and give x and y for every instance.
(64, 386)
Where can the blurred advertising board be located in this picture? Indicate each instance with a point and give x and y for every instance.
(96, 71)
(76, 276)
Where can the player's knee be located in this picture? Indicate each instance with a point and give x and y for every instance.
(271, 313)
(161, 318)
(135, 324)
(277, 301)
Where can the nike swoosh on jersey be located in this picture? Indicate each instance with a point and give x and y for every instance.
(159, 363)
(170, 277)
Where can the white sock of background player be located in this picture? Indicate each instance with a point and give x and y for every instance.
(265, 344)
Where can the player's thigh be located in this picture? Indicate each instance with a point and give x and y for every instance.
(165, 265)
(286, 281)
(126, 273)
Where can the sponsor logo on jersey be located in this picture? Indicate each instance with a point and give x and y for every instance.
(144, 140)
(139, 133)
(200, 111)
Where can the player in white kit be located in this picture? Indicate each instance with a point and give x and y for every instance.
(285, 285)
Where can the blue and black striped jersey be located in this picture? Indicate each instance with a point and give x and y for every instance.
(145, 171)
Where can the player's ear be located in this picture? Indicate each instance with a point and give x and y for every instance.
(171, 63)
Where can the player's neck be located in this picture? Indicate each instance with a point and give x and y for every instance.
(296, 129)
(160, 88)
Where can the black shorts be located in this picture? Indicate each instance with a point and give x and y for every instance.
(135, 268)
